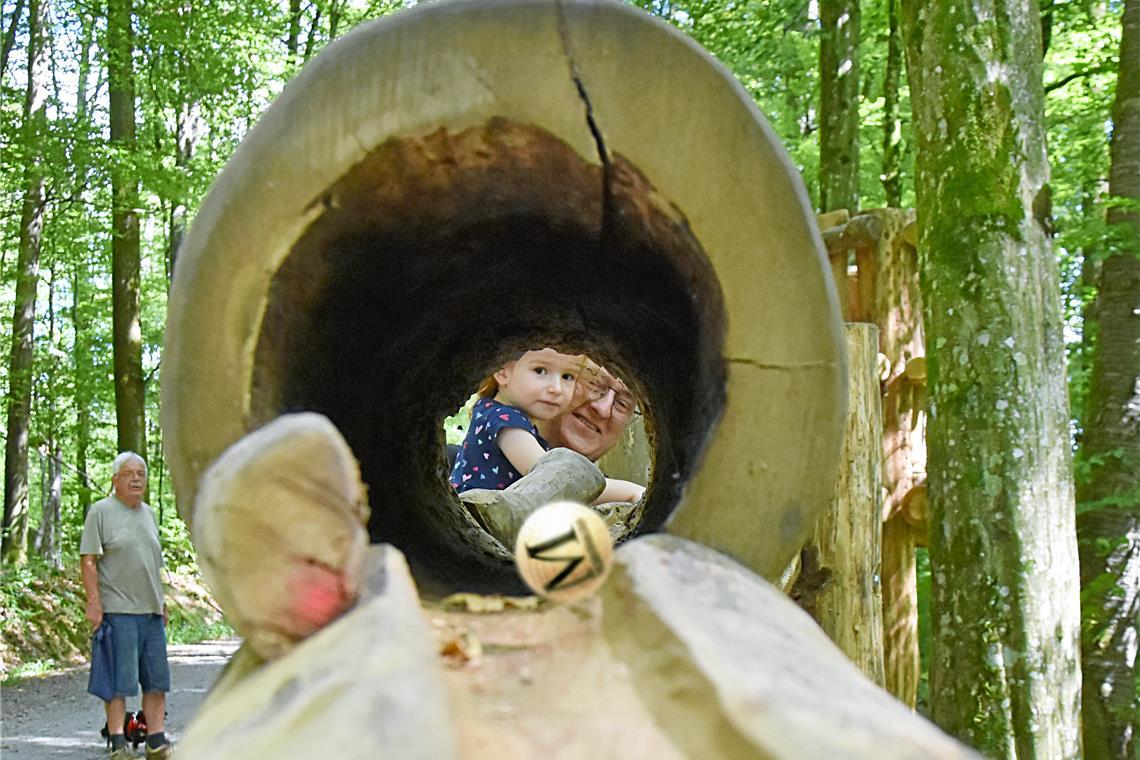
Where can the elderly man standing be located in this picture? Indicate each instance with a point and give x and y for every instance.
(121, 564)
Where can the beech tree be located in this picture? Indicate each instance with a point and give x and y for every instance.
(1108, 489)
(892, 126)
(130, 402)
(839, 105)
(1005, 675)
(27, 278)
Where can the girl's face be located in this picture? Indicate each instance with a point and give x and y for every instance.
(541, 383)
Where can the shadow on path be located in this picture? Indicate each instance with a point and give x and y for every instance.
(54, 716)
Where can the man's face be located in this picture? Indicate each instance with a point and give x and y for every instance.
(129, 482)
(594, 426)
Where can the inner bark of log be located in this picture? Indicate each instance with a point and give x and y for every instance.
(434, 259)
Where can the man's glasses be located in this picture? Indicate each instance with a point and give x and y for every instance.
(624, 404)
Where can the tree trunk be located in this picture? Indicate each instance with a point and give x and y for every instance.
(1110, 528)
(80, 282)
(334, 18)
(839, 105)
(1005, 675)
(47, 538)
(83, 397)
(125, 256)
(1110, 583)
(10, 36)
(185, 140)
(294, 28)
(848, 604)
(892, 127)
(24, 310)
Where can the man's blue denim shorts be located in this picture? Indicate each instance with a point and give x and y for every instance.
(139, 644)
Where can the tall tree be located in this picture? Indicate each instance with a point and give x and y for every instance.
(125, 253)
(839, 105)
(24, 311)
(82, 354)
(51, 471)
(890, 175)
(10, 36)
(1005, 675)
(1109, 490)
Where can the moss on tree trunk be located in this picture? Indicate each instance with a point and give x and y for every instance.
(1005, 675)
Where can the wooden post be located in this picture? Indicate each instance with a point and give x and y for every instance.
(839, 582)
(883, 288)
(897, 309)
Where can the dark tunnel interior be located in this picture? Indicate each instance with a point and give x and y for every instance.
(436, 257)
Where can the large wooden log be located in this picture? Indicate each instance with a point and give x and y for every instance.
(845, 545)
(691, 625)
(367, 686)
(664, 232)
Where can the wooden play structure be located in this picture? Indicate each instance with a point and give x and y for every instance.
(342, 264)
(857, 574)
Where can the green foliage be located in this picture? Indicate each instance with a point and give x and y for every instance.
(189, 628)
(45, 626)
(177, 551)
(206, 71)
(1080, 80)
(455, 425)
(43, 612)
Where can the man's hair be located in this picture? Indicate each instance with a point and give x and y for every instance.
(122, 459)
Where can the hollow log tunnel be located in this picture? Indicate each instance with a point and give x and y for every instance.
(373, 250)
(500, 238)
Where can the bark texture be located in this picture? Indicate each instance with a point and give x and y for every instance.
(847, 537)
(1005, 675)
(892, 127)
(125, 255)
(1110, 531)
(1110, 592)
(24, 308)
(897, 309)
(839, 105)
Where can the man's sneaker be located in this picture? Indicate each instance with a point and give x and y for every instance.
(122, 753)
(159, 752)
(279, 526)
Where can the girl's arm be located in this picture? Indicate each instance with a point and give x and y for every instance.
(620, 490)
(520, 448)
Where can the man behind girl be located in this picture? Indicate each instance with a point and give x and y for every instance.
(515, 405)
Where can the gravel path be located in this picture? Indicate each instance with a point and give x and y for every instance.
(54, 716)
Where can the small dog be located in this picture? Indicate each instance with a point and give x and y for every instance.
(134, 728)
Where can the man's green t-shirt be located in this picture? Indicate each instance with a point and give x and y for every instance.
(129, 556)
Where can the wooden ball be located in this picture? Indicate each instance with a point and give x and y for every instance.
(564, 551)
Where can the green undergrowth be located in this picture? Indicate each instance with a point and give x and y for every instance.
(42, 614)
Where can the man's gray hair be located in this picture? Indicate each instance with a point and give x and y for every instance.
(122, 459)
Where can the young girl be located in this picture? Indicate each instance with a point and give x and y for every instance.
(502, 442)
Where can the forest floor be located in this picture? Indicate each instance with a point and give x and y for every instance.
(52, 716)
(42, 613)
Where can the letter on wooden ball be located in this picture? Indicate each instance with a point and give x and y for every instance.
(564, 551)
